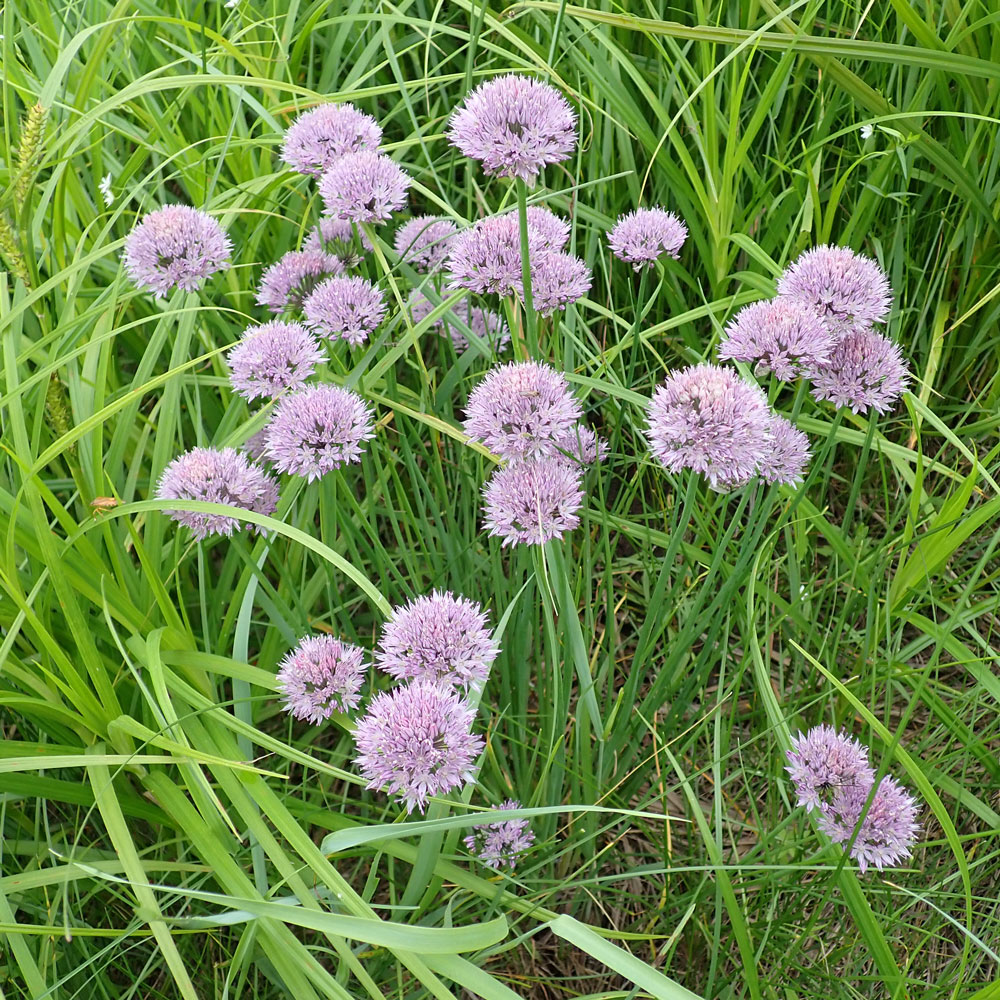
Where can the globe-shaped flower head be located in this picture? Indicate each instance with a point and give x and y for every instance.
(710, 420)
(646, 234)
(317, 138)
(416, 741)
(557, 279)
(286, 284)
(865, 370)
(322, 675)
(175, 247)
(318, 429)
(486, 258)
(502, 842)
(438, 638)
(424, 241)
(336, 236)
(348, 308)
(271, 358)
(514, 126)
(533, 501)
(214, 475)
(364, 187)
(848, 291)
(823, 760)
(787, 453)
(521, 409)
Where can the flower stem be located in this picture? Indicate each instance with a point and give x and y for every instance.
(530, 316)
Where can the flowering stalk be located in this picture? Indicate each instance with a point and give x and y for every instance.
(530, 317)
(638, 314)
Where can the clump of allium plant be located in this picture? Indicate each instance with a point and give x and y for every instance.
(175, 247)
(286, 284)
(317, 138)
(320, 676)
(364, 187)
(533, 501)
(271, 358)
(346, 308)
(643, 236)
(501, 843)
(336, 236)
(787, 452)
(215, 475)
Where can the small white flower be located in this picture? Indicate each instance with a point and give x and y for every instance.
(232, 3)
(866, 131)
(105, 187)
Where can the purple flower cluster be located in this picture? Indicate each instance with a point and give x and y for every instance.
(832, 776)
(641, 237)
(364, 187)
(501, 843)
(534, 501)
(485, 324)
(866, 370)
(271, 358)
(335, 236)
(345, 308)
(322, 675)
(317, 138)
(286, 284)
(424, 241)
(557, 279)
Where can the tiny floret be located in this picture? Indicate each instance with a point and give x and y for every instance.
(271, 358)
(438, 638)
(224, 476)
(514, 126)
(318, 429)
(286, 284)
(557, 279)
(424, 241)
(175, 247)
(318, 138)
(364, 187)
(322, 675)
(416, 741)
(823, 760)
(501, 843)
(533, 501)
(866, 371)
(642, 236)
(346, 308)
(787, 453)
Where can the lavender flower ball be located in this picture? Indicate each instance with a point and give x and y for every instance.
(582, 445)
(364, 187)
(487, 257)
(335, 236)
(175, 247)
(823, 760)
(348, 308)
(866, 370)
(557, 279)
(781, 335)
(485, 324)
(646, 234)
(847, 290)
(552, 230)
(514, 126)
(216, 476)
(416, 741)
(531, 502)
(501, 843)
(318, 429)
(317, 138)
(438, 638)
(519, 410)
(787, 453)
(322, 675)
(287, 283)
(255, 446)
(271, 358)
(423, 242)
(708, 419)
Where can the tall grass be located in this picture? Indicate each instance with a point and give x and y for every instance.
(167, 832)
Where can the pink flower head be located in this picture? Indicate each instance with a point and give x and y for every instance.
(317, 138)
(642, 236)
(322, 675)
(787, 453)
(866, 370)
(424, 241)
(557, 279)
(486, 258)
(581, 444)
(485, 324)
(533, 501)
(824, 759)
(335, 236)
(501, 843)
(271, 358)
(364, 187)
(348, 308)
(291, 280)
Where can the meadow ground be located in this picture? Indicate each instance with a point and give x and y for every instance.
(168, 831)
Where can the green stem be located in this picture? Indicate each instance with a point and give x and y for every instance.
(530, 317)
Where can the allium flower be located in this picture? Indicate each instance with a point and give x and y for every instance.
(319, 137)
(582, 445)
(364, 187)
(286, 284)
(487, 257)
(216, 476)
(780, 335)
(848, 290)
(514, 126)
(339, 233)
(317, 430)
(556, 280)
(322, 675)
(503, 842)
(175, 247)
(485, 324)
(349, 308)
(519, 410)
(438, 638)
(552, 230)
(271, 358)
(533, 501)
(865, 370)
(423, 242)
(416, 741)
(642, 236)
(823, 760)
(787, 453)
(710, 420)
(888, 831)
(256, 446)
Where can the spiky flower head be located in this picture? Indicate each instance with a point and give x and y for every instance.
(787, 453)
(317, 138)
(823, 760)
(486, 258)
(416, 741)
(533, 501)
(556, 280)
(710, 420)
(582, 445)
(438, 638)
(866, 370)
(520, 409)
(175, 247)
(847, 290)
(348, 308)
(364, 187)
(318, 429)
(336, 236)
(642, 236)
(424, 241)
(485, 324)
(256, 446)
(216, 475)
(502, 842)
(553, 230)
(780, 335)
(272, 357)
(286, 284)
(514, 126)
(886, 835)
(320, 676)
